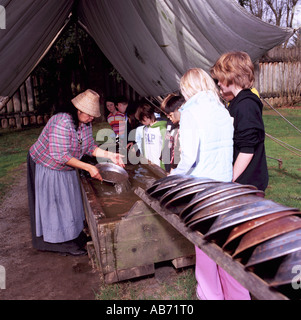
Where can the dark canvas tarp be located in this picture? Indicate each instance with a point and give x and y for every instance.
(31, 27)
(150, 42)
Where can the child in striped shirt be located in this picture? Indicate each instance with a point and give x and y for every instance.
(115, 118)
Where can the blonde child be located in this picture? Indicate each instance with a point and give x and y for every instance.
(206, 141)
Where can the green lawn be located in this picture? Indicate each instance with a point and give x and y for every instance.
(14, 146)
(285, 183)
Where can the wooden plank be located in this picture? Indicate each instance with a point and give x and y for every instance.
(143, 237)
(107, 256)
(23, 98)
(92, 256)
(17, 102)
(91, 216)
(184, 261)
(29, 92)
(249, 280)
(156, 169)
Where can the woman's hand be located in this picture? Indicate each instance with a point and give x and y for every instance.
(94, 173)
(114, 157)
(117, 159)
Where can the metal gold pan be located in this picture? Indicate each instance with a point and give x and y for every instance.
(245, 213)
(167, 185)
(212, 191)
(205, 208)
(211, 213)
(184, 196)
(285, 273)
(197, 205)
(268, 231)
(277, 247)
(249, 225)
(112, 173)
(182, 186)
(163, 180)
(189, 192)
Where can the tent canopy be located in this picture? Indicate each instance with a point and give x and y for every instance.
(151, 43)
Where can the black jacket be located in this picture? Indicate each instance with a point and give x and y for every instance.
(249, 136)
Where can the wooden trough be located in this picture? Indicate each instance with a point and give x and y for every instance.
(128, 236)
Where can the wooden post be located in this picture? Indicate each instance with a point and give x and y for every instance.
(17, 102)
(40, 119)
(18, 121)
(29, 91)
(25, 121)
(23, 98)
(10, 106)
(4, 123)
(11, 122)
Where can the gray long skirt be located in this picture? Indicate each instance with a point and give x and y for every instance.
(59, 212)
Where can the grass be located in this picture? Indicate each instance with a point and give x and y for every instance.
(285, 183)
(178, 287)
(14, 146)
(284, 187)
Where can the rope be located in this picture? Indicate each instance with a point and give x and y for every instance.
(283, 144)
(282, 116)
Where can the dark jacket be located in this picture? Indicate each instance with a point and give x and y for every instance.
(249, 136)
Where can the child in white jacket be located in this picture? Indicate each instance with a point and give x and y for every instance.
(206, 141)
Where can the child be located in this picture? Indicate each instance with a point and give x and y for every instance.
(171, 151)
(115, 118)
(153, 134)
(206, 151)
(234, 72)
(133, 126)
(122, 104)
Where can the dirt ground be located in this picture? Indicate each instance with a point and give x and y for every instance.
(34, 275)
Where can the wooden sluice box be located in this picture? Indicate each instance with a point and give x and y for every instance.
(128, 236)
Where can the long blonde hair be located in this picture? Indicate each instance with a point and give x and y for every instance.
(196, 80)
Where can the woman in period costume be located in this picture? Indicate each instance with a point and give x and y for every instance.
(55, 202)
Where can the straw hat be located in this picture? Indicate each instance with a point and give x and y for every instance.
(88, 102)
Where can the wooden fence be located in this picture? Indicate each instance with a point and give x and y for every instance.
(22, 109)
(278, 76)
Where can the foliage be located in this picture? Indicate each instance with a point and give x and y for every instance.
(62, 72)
(277, 12)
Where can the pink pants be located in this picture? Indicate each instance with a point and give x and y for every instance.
(214, 283)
